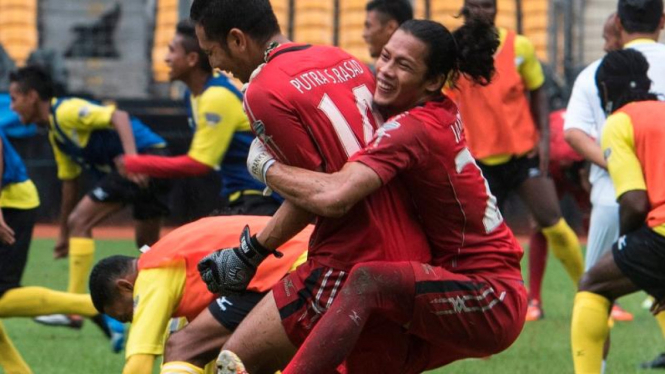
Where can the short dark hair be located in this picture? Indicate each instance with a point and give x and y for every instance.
(398, 10)
(622, 78)
(640, 16)
(190, 43)
(217, 17)
(33, 77)
(467, 51)
(103, 276)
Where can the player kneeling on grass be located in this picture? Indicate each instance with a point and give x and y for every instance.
(469, 301)
(164, 283)
(632, 140)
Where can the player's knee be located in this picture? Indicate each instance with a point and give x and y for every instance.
(173, 350)
(591, 282)
(78, 223)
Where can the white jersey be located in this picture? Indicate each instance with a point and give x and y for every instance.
(585, 113)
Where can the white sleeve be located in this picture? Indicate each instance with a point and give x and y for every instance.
(584, 108)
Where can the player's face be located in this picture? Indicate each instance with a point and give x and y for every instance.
(611, 36)
(376, 32)
(177, 59)
(482, 9)
(121, 308)
(400, 74)
(24, 104)
(224, 58)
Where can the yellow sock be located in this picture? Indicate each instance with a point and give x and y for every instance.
(660, 318)
(10, 360)
(180, 367)
(566, 247)
(81, 252)
(589, 331)
(37, 301)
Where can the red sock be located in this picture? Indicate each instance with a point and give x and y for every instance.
(537, 263)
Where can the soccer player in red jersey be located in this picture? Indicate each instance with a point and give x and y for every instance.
(469, 301)
(311, 106)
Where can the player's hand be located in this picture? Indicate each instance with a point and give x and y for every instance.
(259, 160)
(142, 180)
(120, 165)
(227, 272)
(61, 249)
(6, 232)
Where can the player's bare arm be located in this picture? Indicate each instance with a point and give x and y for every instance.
(585, 145)
(633, 210)
(121, 123)
(288, 221)
(328, 195)
(70, 193)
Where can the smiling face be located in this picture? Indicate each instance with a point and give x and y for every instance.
(25, 104)
(178, 60)
(401, 81)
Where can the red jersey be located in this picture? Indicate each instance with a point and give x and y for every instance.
(427, 148)
(311, 106)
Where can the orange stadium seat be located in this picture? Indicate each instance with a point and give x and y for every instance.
(351, 24)
(313, 21)
(281, 8)
(18, 28)
(166, 20)
(445, 12)
(535, 21)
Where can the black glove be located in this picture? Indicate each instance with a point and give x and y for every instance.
(228, 271)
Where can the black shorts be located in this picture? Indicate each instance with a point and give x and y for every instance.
(251, 205)
(640, 256)
(507, 177)
(229, 311)
(14, 257)
(148, 203)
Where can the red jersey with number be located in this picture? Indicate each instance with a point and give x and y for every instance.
(311, 106)
(426, 147)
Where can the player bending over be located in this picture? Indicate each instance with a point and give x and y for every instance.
(88, 136)
(163, 283)
(632, 139)
(221, 131)
(469, 301)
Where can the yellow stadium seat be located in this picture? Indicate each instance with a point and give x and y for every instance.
(349, 5)
(314, 18)
(281, 9)
(352, 19)
(326, 5)
(419, 8)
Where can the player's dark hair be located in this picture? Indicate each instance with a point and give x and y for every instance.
(622, 78)
(398, 10)
(217, 17)
(103, 276)
(640, 16)
(190, 43)
(33, 77)
(465, 12)
(467, 51)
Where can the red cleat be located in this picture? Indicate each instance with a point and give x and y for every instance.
(534, 312)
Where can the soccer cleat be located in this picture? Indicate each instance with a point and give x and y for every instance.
(656, 363)
(620, 315)
(73, 321)
(229, 363)
(534, 311)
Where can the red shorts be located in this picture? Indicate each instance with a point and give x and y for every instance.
(458, 316)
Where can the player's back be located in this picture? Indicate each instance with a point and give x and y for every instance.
(311, 105)
(459, 213)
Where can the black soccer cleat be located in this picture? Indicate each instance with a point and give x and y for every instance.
(656, 363)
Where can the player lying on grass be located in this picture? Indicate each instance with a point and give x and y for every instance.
(164, 283)
(18, 211)
(632, 141)
(221, 131)
(88, 136)
(470, 300)
(312, 106)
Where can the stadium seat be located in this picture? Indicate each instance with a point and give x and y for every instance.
(351, 24)
(419, 7)
(18, 28)
(313, 21)
(446, 11)
(536, 25)
(281, 8)
(166, 20)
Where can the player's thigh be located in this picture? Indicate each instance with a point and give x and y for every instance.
(539, 195)
(603, 232)
(199, 342)
(463, 316)
(260, 340)
(88, 213)
(146, 231)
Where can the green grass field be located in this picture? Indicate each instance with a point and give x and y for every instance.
(543, 347)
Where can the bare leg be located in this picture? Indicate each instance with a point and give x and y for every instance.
(261, 341)
(199, 342)
(88, 214)
(539, 194)
(147, 231)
